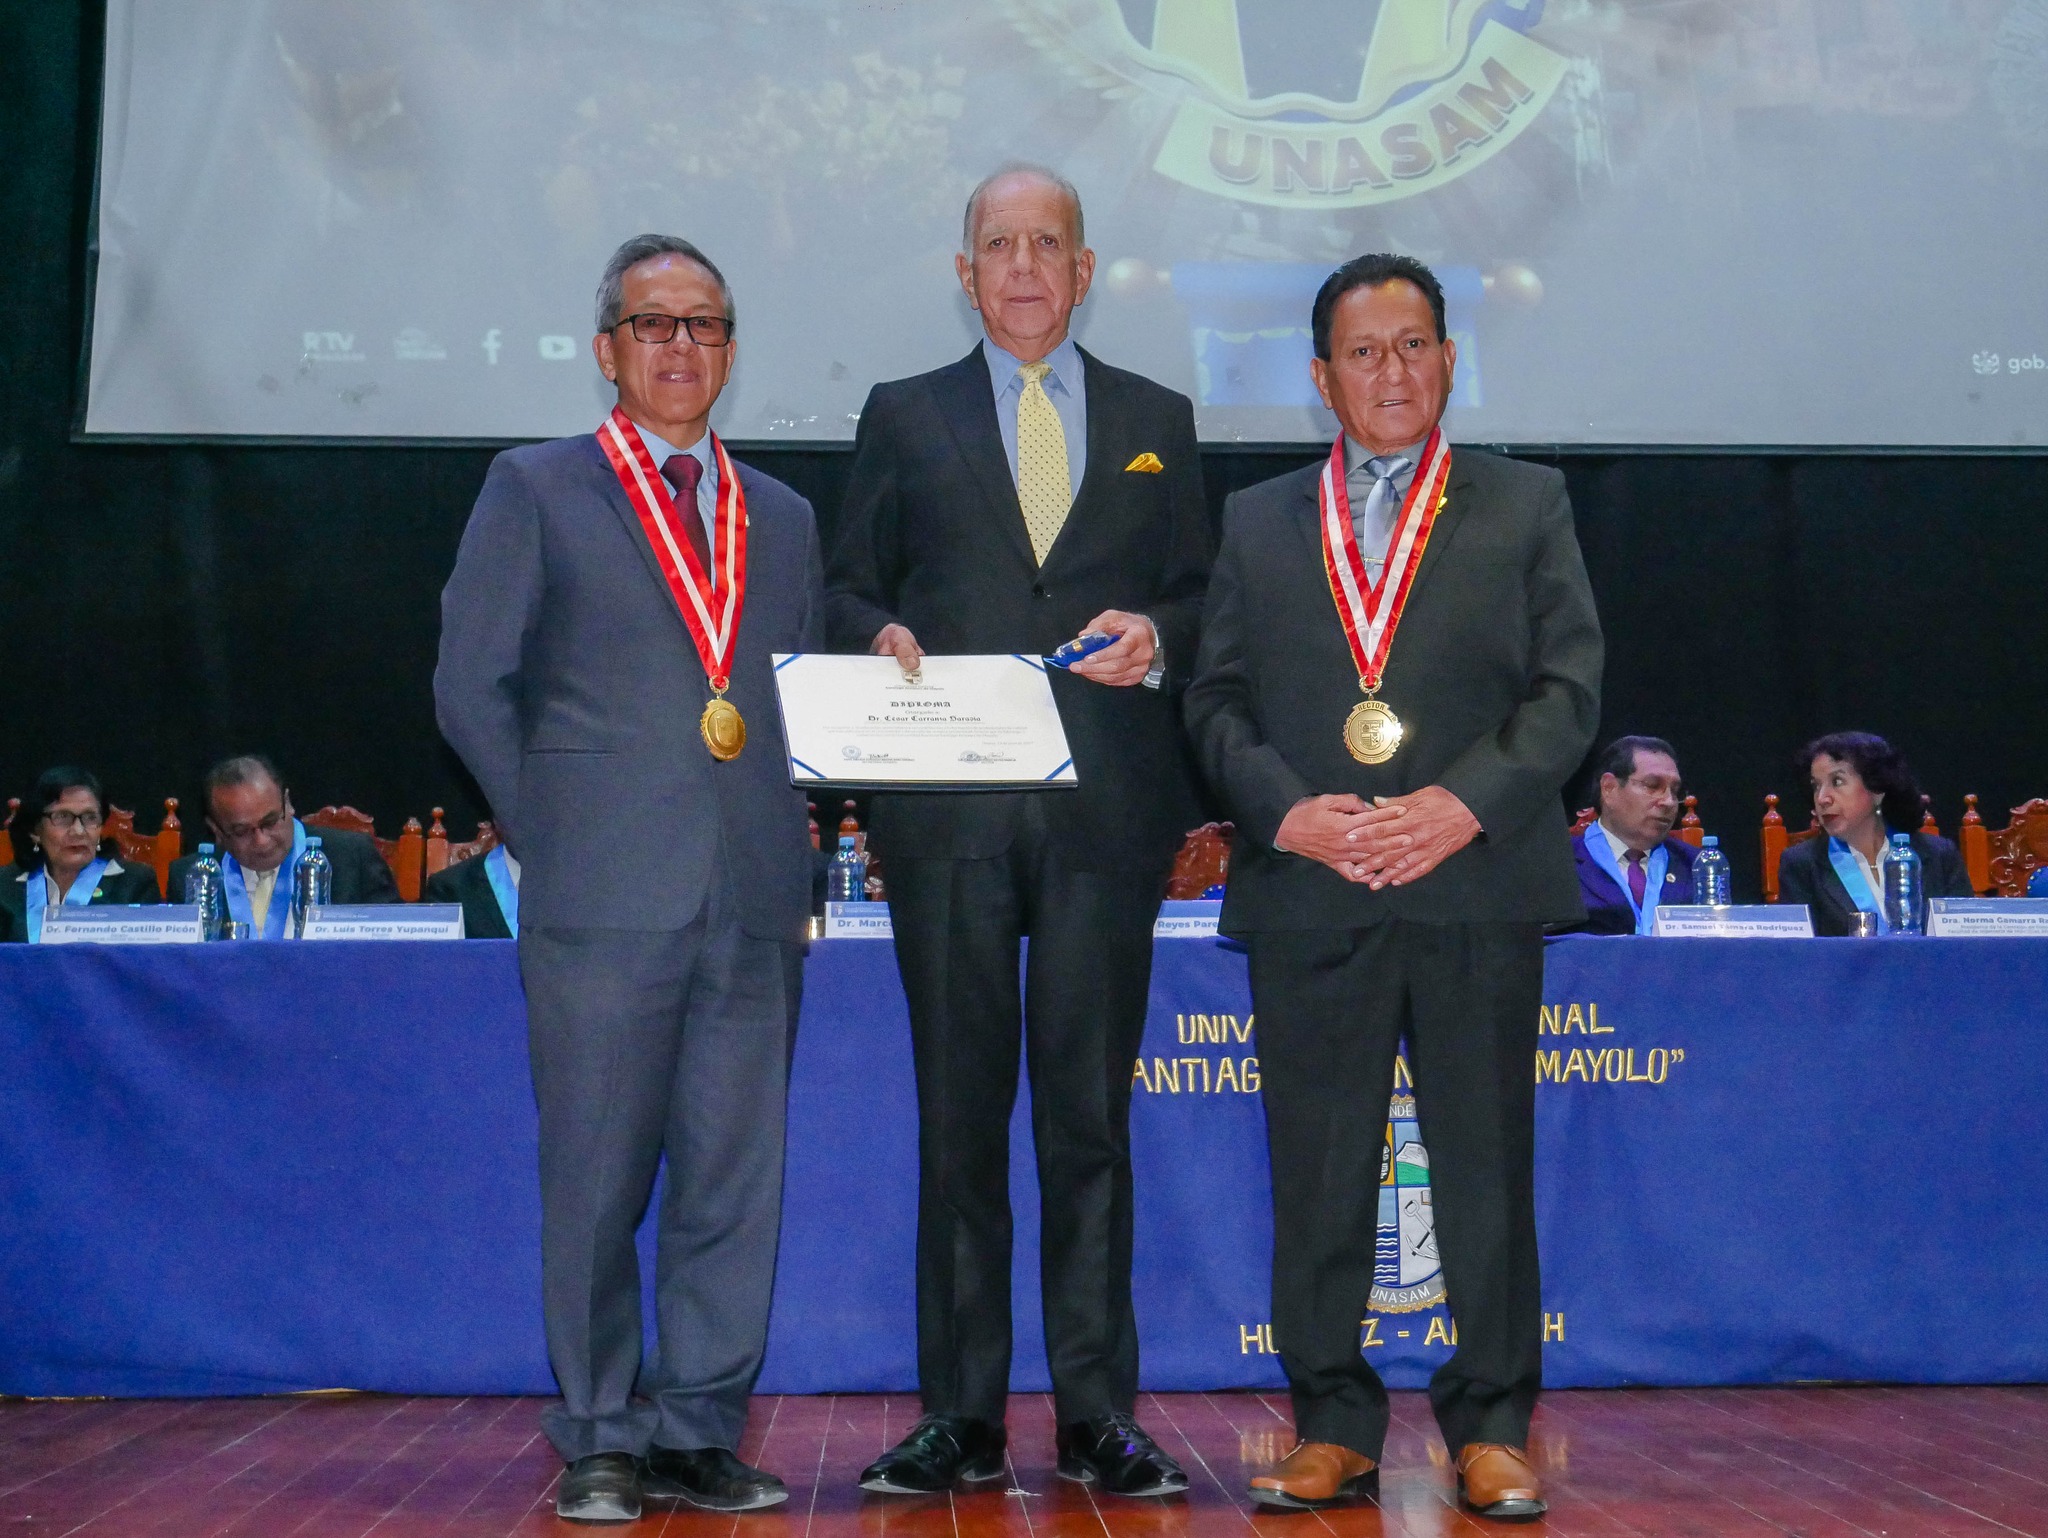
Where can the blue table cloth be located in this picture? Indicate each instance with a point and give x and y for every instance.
(246, 1168)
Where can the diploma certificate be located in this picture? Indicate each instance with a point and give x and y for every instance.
(965, 723)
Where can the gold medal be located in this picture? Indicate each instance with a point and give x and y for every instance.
(1372, 731)
(724, 731)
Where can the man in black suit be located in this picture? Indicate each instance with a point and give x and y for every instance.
(1397, 858)
(249, 812)
(487, 888)
(1006, 503)
(605, 644)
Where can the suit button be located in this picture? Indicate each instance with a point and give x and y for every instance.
(1038, 591)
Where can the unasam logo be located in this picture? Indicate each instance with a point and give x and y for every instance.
(1407, 1275)
(1445, 86)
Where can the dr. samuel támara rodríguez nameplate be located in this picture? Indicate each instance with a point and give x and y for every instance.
(969, 723)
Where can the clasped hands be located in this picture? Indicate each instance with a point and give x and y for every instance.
(1124, 662)
(1391, 841)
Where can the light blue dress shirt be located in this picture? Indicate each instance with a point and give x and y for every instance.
(661, 451)
(1065, 386)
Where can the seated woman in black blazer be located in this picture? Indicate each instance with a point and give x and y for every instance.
(1862, 792)
(61, 858)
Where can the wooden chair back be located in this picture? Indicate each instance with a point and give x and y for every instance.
(1927, 823)
(158, 850)
(1776, 840)
(404, 854)
(1584, 819)
(1203, 862)
(442, 852)
(1974, 840)
(2019, 848)
(6, 837)
(1690, 828)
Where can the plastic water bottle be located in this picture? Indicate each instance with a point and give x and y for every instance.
(205, 890)
(1902, 886)
(312, 884)
(846, 879)
(1710, 881)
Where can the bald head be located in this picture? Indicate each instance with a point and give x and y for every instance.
(1010, 177)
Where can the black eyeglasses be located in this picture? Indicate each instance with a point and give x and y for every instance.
(705, 330)
(65, 821)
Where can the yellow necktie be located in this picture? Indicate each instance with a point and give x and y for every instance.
(262, 886)
(1043, 487)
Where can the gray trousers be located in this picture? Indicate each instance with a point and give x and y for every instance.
(645, 1044)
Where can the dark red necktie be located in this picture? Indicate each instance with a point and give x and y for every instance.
(683, 472)
(1637, 878)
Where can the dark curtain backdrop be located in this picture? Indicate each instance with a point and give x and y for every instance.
(163, 605)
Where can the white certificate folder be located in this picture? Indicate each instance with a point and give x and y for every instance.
(962, 723)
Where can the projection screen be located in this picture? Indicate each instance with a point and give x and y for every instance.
(1669, 222)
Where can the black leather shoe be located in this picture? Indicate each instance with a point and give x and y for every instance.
(604, 1487)
(940, 1451)
(1115, 1453)
(710, 1478)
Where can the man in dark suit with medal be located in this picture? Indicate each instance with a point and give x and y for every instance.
(1397, 859)
(605, 651)
(1008, 503)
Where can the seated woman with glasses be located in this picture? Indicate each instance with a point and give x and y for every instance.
(1862, 793)
(60, 857)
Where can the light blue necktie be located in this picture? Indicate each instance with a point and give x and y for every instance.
(1372, 524)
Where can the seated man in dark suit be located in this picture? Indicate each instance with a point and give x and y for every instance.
(1628, 860)
(249, 811)
(1863, 793)
(487, 886)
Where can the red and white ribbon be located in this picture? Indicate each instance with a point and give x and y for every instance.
(1372, 613)
(710, 602)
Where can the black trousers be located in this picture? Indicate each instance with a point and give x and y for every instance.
(958, 924)
(649, 1044)
(1332, 1008)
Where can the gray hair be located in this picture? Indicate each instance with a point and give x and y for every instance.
(611, 288)
(1030, 168)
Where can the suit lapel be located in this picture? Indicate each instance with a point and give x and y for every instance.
(615, 495)
(968, 406)
(1445, 529)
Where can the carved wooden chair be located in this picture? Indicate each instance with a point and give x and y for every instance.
(158, 850)
(1203, 862)
(1584, 819)
(1974, 839)
(1776, 840)
(1690, 828)
(403, 854)
(6, 838)
(2019, 848)
(443, 852)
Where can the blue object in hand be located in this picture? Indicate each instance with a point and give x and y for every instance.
(1080, 647)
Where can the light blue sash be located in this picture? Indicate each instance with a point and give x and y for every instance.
(80, 895)
(1655, 868)
(503, 887)
(1850, 874)
(242, 911)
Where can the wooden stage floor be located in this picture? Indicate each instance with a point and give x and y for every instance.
(1721, 1463)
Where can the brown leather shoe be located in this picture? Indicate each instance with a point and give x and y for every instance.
(1496, 1481)
(1316, 1474)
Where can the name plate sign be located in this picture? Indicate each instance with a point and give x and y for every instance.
(1987, 916)
(1195, 920)
(148, 924)
(1761, 921)
(387, 921)
(858, 921)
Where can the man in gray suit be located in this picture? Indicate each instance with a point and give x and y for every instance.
(1397, 858)
(605, 648)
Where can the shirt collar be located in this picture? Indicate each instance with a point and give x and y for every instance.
(661, 451)
(1617, 843)
(1356, 454)
(1065, 361)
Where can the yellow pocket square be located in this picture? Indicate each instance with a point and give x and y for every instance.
(1146, 464)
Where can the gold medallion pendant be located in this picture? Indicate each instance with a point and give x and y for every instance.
(1372, 732)
(725, 732)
